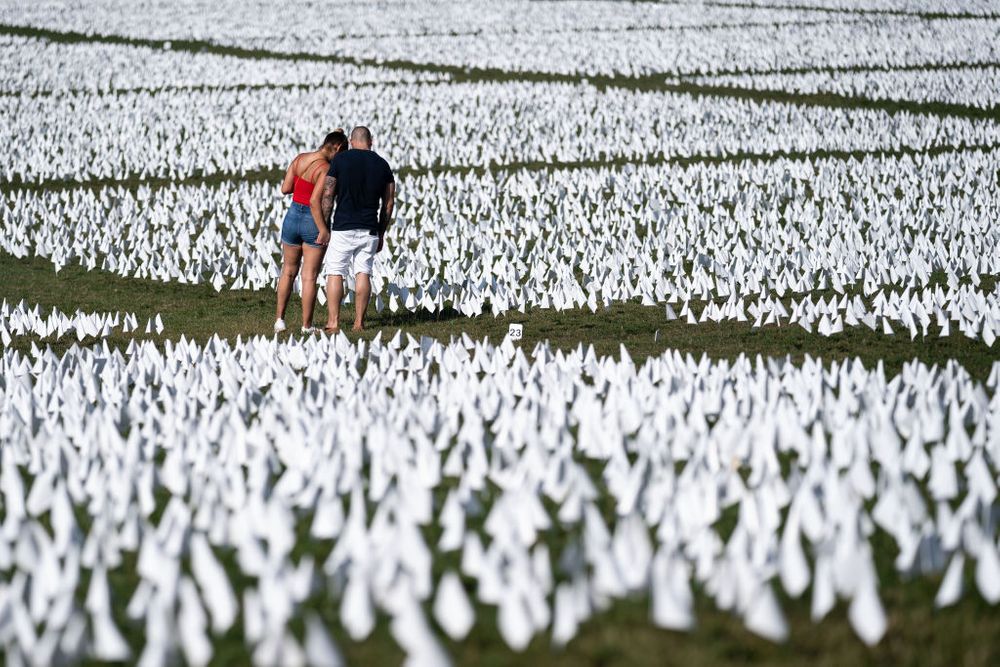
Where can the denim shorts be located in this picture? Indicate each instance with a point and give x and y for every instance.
(299, 227)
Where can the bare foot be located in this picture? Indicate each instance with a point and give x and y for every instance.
(357, 328)
(332, 329)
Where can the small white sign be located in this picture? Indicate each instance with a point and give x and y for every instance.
(516, 331)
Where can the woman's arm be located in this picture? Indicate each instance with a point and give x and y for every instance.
(288, 182)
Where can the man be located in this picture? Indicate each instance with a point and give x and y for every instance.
(363, 186)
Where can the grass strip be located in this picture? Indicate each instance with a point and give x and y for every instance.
(198, 312)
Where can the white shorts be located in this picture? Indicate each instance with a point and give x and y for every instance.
(350, 252)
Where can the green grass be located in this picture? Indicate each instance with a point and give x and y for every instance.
(198, 312)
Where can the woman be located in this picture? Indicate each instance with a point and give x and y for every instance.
(303, 238)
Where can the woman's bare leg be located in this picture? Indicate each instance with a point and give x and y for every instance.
(312, 260)
(291, 257)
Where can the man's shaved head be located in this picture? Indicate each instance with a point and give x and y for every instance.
(361, 136)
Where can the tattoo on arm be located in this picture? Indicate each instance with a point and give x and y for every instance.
(329, 185)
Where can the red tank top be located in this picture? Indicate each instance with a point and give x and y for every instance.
(303, 188)
(303, 191)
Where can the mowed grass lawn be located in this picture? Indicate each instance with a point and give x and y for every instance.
(199, 312)
(967, 634)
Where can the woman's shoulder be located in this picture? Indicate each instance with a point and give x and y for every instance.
(307, 161)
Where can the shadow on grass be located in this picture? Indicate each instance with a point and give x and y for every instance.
(405, 318)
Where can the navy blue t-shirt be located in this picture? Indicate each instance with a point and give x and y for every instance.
(361, 179)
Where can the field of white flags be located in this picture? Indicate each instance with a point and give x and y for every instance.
(371, 447)
(640, 184)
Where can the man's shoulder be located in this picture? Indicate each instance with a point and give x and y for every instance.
(342, 156)
(362, 159)
(383, 164)
(338, 160)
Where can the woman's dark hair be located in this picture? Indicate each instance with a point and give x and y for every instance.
(337, 139)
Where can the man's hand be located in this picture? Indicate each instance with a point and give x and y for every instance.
(323, 237)
(381, 243)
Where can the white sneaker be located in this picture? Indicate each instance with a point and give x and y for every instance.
(310, 330)
(279, 326)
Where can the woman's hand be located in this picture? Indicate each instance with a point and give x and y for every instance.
(323, 237)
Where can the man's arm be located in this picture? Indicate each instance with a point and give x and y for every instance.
(321, 204)
(385, 213)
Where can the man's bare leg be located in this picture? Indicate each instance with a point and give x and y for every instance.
(291, 257)
(312, 259)
(362, 294)
(334, 295)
